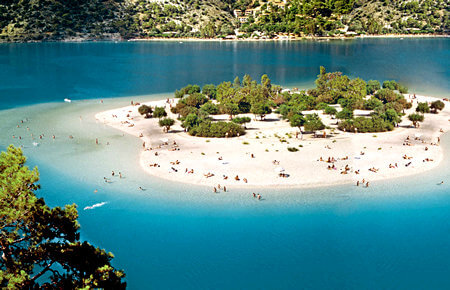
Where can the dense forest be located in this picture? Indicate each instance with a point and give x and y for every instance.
(34, 20)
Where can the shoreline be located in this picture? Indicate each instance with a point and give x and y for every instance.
(202, 154)
(197, 39)
(316, 38)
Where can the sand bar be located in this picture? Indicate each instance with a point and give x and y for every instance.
(258, 157)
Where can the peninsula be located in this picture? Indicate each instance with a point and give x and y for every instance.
(249, 134)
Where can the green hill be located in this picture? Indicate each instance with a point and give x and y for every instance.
(35, 20)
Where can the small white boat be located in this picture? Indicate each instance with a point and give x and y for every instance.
(35, 144)
(67, 100)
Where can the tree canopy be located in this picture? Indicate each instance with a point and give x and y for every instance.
(245, 95)
(437, 106)
(416, 118)
(145, 110)
(159, 112)
(40, 246)
(166, 123)
(423, 108)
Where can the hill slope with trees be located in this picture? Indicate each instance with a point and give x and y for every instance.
(37, 20)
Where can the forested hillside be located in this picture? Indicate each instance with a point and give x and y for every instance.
(350, 17)
(34, 20)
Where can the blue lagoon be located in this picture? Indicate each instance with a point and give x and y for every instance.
(395, 234)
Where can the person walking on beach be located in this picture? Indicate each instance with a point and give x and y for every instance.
(259, 196)
(96, 141)
(357, 183)
(225, 189)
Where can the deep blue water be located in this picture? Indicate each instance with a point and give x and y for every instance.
(394, 235)
(38, 72)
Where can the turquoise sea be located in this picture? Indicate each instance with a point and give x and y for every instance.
(393, 235)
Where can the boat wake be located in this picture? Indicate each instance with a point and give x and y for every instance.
(95, 205)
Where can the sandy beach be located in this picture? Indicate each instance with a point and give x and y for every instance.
(257, 158)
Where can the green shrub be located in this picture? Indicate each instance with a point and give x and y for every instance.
(292, 149)
(216, 129)
(241, 120)
(423, 108)
(330, 110)
(366, 125)
(392, 85)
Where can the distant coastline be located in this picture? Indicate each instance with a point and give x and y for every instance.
(318, 38)
(198, 39)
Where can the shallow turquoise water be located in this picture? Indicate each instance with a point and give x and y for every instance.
(395, 234)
